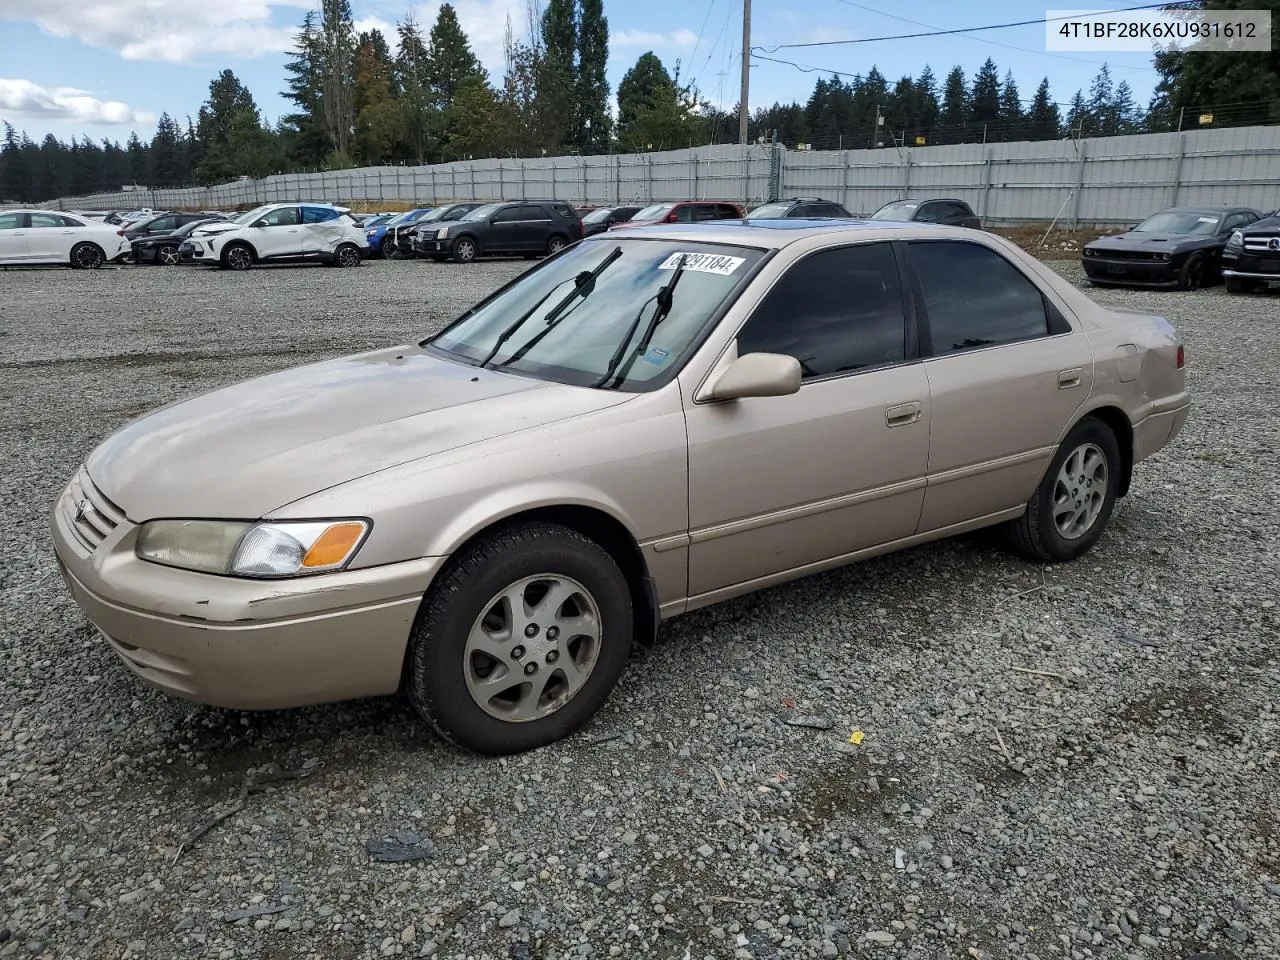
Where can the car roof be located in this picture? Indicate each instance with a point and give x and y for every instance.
(1205, 208)
(775, 234)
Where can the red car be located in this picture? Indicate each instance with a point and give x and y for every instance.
(683, 211)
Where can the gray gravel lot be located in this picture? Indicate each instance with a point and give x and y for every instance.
(1122, 802)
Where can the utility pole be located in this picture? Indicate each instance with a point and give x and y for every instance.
(746, 71)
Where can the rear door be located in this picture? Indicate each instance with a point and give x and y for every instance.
(779, 483)
(534, 227)
(51, 237)
(13, 236)
(320, 229)
(1007, 376)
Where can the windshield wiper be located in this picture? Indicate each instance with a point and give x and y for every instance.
(584, 284)
(665, 298)
(583, 281)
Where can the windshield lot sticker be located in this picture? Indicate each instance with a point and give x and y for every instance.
(657, 356)
(704, 263)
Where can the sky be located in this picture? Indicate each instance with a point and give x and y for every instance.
(104, 68)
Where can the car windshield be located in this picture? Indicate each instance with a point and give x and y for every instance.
(406, 217)
(185, 231)
(655, 211)
(251, 215)
(483, 213)
(597, 216)
(608, 317)
(435, 214)
(901, 210)
(1180, 221)
(770, 211)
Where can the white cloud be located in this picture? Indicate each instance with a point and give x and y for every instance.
(682, 39)
(24, 98)
(166, 30)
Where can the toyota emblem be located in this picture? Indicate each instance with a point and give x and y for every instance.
(82, 508)
(1273, 243)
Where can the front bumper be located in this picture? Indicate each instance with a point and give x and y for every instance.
(200, 252)
(1252, 265)
(245, 644)
(1144, 273)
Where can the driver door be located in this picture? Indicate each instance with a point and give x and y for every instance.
(777, 484)
(278, 234)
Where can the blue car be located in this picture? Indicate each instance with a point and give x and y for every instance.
(377, 236)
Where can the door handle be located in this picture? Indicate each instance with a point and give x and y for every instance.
(1068, 378)
(901, 414)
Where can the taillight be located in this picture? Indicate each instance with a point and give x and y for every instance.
(119, 233)
(1182, 356)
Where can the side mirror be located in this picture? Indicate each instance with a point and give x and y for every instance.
(758, 375)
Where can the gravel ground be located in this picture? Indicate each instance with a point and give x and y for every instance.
(1122, 802)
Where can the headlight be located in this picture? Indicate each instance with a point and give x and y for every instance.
(442, 233)
(370, 233)
(1237, 239)
(281, 549)
(1165, 256)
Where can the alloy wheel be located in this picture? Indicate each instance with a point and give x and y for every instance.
(532, 648)
(89, 257)
(348, 257)
(168, 256)
(239, 258)
(1080, 491)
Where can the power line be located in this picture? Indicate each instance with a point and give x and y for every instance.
(944, 33)
(997, 43)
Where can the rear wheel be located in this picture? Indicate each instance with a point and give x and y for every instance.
(1071, 507)
(167, 255)
(238, 256)
(521, 640)
(555, 245)
(1191, 276)
(346, 255)
(87, 256)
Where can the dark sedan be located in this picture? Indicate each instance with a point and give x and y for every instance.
(598, 221)
(162, 249)
(944, 210)
(1179, 248)
(163, 224)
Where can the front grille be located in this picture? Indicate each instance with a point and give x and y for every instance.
(1129, 255)
(1259, 244)
(89, 514)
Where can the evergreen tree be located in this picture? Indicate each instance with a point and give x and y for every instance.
(139, 163)
(651, 114)
(337, 45)
(595, 124)
(1011, 116)
(378, 130)
(1079, 122)
(984, 100)
(1043, 119)
(420, 114)
(15, 184)
(1101, 107)
(557, 113)
(304, 130)
(453, 63)
(1128, 116)
(926, 92)
(167, 160)
(955, 99)
(230, 129)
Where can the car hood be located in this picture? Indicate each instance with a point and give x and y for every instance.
(244, 450)
(1266, 226)
(215, 228)
(154, 238)
(1155, 242)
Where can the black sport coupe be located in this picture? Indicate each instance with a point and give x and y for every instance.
(1251, 258)
(162, 249)
(1179, 248)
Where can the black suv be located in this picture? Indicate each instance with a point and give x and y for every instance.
(163, 223)
(1251, 258)
(799, 208)
(529, 227)
(405, 236)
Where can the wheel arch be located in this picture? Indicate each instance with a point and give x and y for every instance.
(1118, 422)
(239, 241)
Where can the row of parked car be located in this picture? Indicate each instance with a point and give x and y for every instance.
(1186, 248)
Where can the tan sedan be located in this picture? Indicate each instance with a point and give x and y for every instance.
(639, 426)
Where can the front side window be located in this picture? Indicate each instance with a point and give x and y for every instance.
(162, 224)
(510, 215)
(975, 297)
(593, 316)
(10, 221)
(835, 311)
(769, 211)
(284, 217)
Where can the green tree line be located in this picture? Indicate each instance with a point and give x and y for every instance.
(359, 99)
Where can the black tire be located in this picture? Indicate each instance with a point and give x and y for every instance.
(237, 256)
(87, 256)
(465, 250)
(347, 255)
(1192, 274)
(556, 244)
(1036, 533)
(167, 255)
(436, 677)
(388, 248)
(1239, 284)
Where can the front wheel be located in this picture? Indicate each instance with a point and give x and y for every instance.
(465, 250)
(237, 257)
(521, 640)
(1191, 277)
(87, 256)
(388, 249)
(346, 256)
(1071, 507)
(167, 255)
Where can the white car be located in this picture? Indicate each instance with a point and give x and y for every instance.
(51, 236)
(276, 233)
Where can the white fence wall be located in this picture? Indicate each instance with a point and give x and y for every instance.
(1105, 180)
